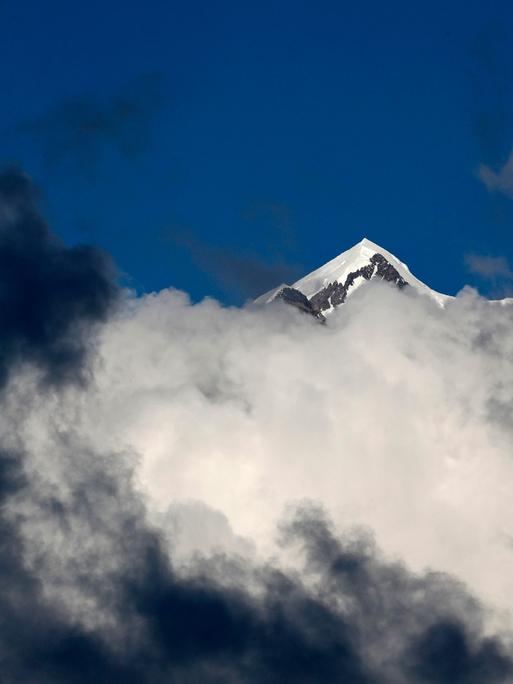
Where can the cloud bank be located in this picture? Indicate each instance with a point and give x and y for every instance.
(244, 495)
(395, 416)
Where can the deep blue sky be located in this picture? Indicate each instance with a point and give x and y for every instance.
(219, 146)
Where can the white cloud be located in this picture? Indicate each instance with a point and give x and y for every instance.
(396, 415)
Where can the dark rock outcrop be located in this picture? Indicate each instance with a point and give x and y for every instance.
(296, 298)
(335, 293)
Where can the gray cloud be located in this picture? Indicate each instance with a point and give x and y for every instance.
(191, 525)
(53, 296)
(243, 275)
(95, 596)
(494, 271)
(488, 267)
(74, 134)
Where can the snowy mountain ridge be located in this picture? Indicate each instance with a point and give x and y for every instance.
(326, 288)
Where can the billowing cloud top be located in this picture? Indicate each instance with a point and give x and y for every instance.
(244, 495)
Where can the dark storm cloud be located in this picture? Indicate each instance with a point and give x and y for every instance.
(184, 630)
(36, 643)
(51, 295)
(241, 274)
(444, 655)
(77, 129)
(363, 621)
(422, 628)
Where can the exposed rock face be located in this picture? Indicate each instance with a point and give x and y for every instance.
(335, 293)
(297, 299)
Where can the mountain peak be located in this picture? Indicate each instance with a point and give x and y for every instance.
(326, 288)
(366, 242)
(357, 260)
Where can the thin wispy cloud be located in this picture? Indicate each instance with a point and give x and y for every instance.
(242, 274)
(494, 272)
(75, 133)
(492, 80)
(488, 267)
(500, 181)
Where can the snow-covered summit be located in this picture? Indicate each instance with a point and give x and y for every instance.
(329, 286)
(350, 261)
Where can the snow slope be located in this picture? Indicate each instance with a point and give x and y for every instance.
(339, 268)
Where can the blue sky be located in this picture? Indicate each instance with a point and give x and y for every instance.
(220, 147)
